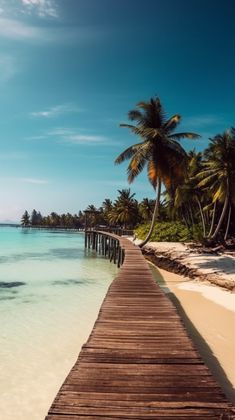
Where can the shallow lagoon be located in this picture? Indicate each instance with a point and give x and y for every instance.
(51, 290)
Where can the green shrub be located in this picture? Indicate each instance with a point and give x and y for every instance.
(168, 232)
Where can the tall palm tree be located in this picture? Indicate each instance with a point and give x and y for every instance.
(158, 149)
(219, 174)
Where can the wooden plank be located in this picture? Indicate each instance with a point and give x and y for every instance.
(139, 362)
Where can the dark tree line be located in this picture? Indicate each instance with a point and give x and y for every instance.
(124, 212)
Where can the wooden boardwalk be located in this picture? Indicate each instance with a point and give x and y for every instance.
(139, 362)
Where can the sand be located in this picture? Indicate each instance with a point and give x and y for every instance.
(216, 267)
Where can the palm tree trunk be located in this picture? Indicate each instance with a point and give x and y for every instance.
(202, 216)
(190, 214)
(228, 223)
(212, 221)
(184, 218)
(155, 215)
(222, 215)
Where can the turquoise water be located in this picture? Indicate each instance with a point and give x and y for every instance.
(51, 290)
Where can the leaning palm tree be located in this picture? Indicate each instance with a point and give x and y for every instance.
(219, 175)
(158, 149)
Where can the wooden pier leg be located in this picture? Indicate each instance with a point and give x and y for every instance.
(96, 241)
(119, 256)
(115, 252)
(123, 256)
(109, 247)
(89, 240)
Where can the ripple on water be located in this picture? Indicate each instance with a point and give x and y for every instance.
(69, 282)
(7, 297)
(10, 284)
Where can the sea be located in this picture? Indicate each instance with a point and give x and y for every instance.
(51, 290)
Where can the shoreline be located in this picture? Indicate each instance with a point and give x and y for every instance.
(209, 319)
(193, 263)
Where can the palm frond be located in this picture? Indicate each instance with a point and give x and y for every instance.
(172, 123)
(133, 128)
(135, 115)
(128, 153)
(179, 136)
(136, 166)
(153, 172)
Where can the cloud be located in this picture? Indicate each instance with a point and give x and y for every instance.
(81, 138)
(71, 136)
(55, 111)
(14, 29)
(43, 8)
(19, 30)
(34, 181)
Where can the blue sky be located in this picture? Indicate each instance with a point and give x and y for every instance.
(70, 71)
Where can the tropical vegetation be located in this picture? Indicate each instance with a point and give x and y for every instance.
(194, 191)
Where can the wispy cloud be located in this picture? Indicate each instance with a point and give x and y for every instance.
(25, 180)
(34, 181)
(81, 138)
(55, 111)
(43, 8)
(72, 136)
(65, 135)
(39, 8)
(15, 29)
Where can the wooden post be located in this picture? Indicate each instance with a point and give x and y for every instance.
(89, 240)
(114, 251)
(119, 256)
(123, 256)
(109, 247)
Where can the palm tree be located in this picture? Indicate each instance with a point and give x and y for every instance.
(158, 149)
(125, 209)
(188, 195)
(219, 174)
(146, 208)
(25, 220)
(107, 206)
(92, 215)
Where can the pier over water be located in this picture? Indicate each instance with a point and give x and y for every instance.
(139, 361)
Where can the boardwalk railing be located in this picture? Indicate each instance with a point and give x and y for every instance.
(139, 362)
(106, 245)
